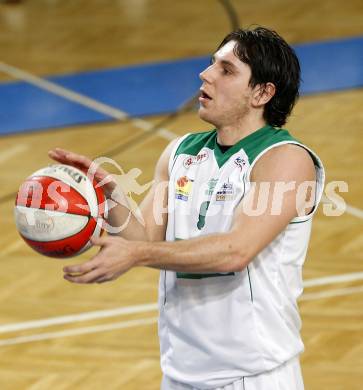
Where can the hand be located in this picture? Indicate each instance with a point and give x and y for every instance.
(84, 163)
(115, 257)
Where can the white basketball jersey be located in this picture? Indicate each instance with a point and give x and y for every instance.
(217, 328)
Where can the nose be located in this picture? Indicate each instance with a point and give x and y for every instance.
(205, 75)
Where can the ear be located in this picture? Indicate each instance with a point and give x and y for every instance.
(263, 93)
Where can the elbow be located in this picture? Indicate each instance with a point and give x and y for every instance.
(240, 266)
(237, 261)
(239, 252)
(241, 262)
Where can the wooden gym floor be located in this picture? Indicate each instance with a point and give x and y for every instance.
(120, 350)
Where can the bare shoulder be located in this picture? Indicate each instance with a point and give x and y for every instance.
(288, 162)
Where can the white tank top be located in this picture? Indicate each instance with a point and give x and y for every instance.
(217, 328)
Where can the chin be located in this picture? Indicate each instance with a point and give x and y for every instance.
(205, 116)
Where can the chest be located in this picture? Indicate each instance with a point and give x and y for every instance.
(204, 192)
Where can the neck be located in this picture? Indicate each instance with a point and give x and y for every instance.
(231, 134)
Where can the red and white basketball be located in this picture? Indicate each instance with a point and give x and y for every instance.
(58, 209)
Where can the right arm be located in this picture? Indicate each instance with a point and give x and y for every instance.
(153, 208)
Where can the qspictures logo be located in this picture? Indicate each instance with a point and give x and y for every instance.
(258, 199)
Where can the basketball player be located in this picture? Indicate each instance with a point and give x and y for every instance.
(231, 269)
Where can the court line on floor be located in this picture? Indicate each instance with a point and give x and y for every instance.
(69, 319)
(352, 277)
(81, 99)
(331, 293)
(146, 321)
(12, 151)
(79, 331)
(144, 308)
(356, 212)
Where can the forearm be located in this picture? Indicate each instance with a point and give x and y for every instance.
(213, 253)
(121, 221)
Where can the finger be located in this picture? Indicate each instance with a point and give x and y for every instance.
(70, 158)
(89, 277)
(78, 160)
(81, 268)
(57, 154)
(102, 279)
(84, 163)
(60, 153)
(104, 178)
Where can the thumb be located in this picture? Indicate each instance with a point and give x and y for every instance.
(99, 241)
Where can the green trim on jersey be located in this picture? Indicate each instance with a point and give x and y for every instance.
(262, 139)
(253, 144)
(193, 143)
(185, 275)
(306, 220)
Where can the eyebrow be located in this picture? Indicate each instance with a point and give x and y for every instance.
(223, 62)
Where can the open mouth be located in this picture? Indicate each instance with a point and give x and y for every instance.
(204, 95)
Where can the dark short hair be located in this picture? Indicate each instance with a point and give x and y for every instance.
(271, 59)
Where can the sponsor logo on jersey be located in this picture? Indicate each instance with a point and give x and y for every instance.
(211, 186)
(225, 193)
(194, 160)
(183, 187)
(240, 162)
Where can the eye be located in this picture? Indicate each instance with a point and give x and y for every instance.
(226, 71)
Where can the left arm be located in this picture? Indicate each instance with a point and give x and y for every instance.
(221, 252)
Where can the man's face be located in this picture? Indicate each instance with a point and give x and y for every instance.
(225, 93)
